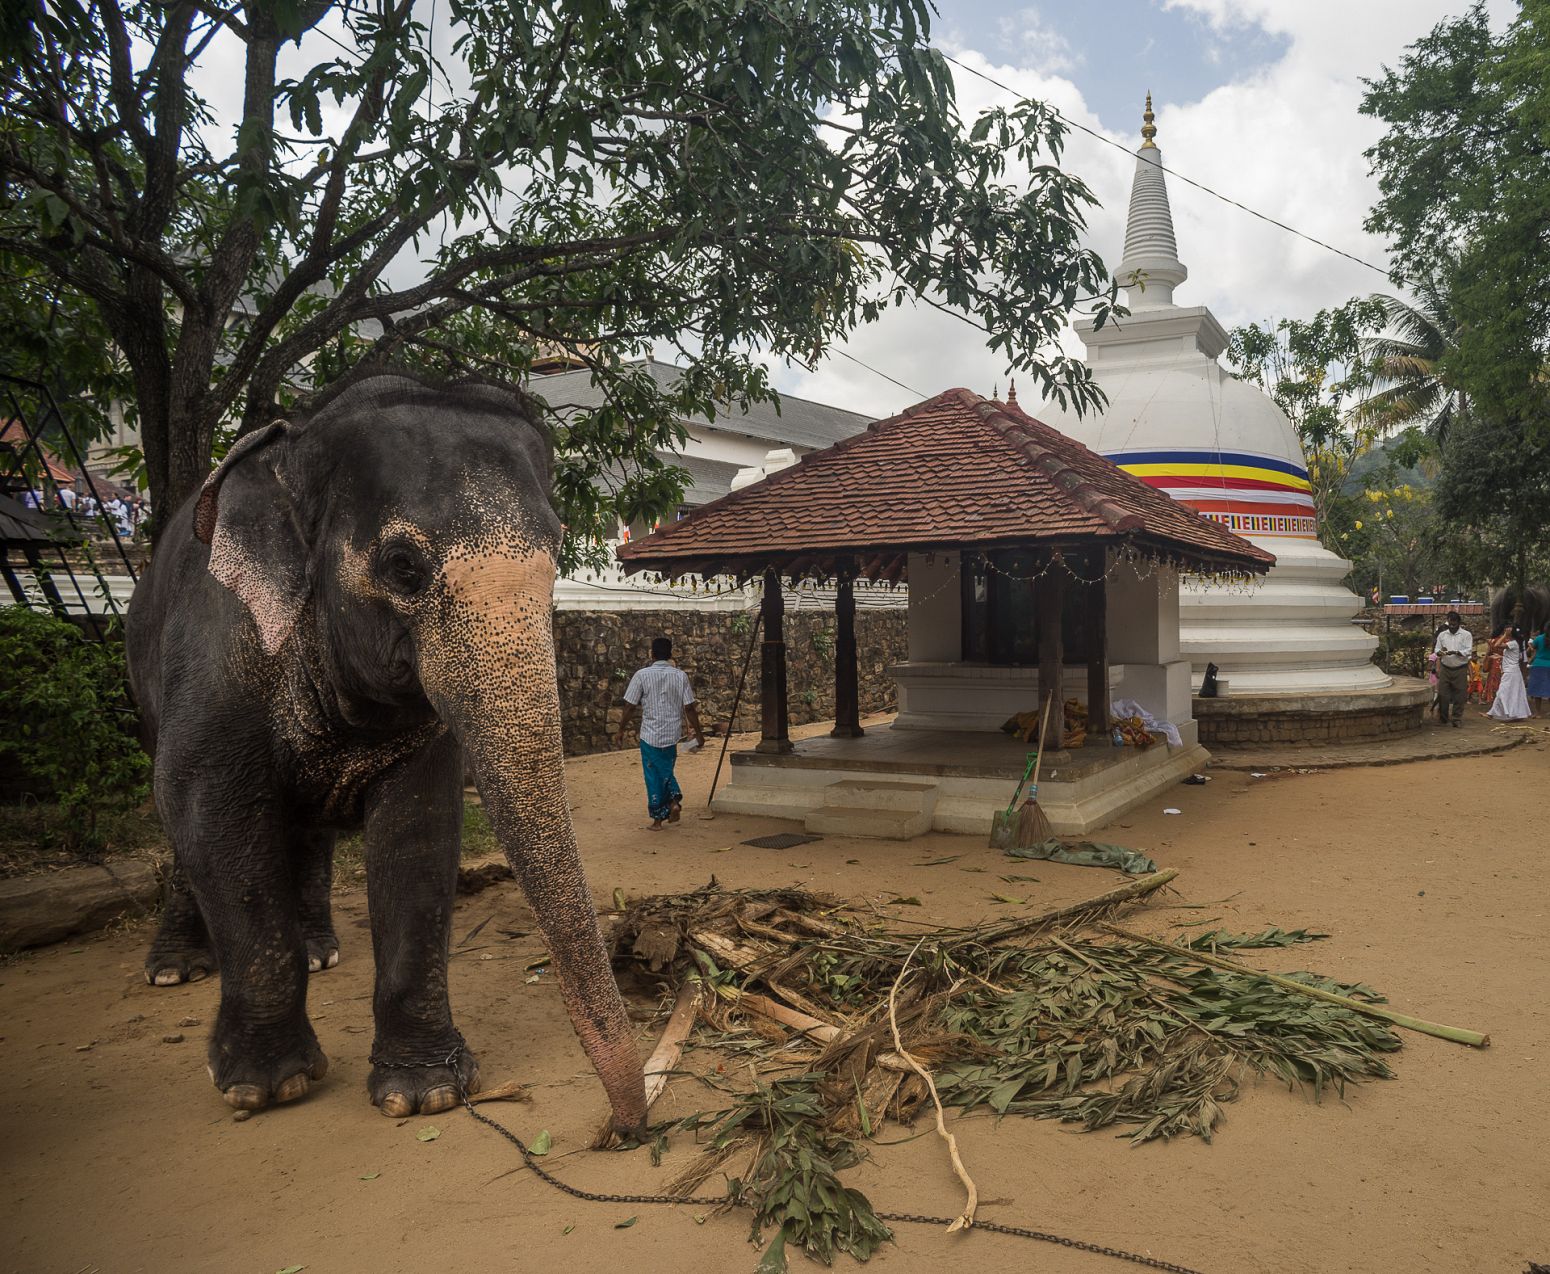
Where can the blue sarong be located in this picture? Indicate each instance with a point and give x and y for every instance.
(661, 787)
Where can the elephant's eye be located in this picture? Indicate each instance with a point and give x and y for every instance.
(402, 569)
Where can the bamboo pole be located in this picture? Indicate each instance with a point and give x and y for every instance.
(812, 1028)
(1125, 893)
(1458, 1034)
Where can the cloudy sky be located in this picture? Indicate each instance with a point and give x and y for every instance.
(1255, 98)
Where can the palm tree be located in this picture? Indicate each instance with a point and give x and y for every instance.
(1408, 363)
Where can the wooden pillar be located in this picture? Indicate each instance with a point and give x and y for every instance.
(775, 734)
(1050, 599)
(847, 681)
(1097, 627)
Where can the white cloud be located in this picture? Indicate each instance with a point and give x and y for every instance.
(1285, 138)
(1037, 43)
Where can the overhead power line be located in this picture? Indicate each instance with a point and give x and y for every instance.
(1172, 172)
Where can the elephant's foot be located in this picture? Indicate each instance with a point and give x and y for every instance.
(322, 952)
(410, 1088)
(269, 1076)
(168, 964)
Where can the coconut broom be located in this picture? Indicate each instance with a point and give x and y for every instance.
(1032, 826)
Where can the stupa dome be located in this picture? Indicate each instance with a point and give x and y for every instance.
(1181, 422)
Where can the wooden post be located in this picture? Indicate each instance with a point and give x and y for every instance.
(1050, 599)
(847, 682)
(1097, 627)
(775, 734)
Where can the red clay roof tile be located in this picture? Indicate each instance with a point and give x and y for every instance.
(955, 470)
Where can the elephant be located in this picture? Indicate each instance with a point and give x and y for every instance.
(355, 597)
(1536, 607)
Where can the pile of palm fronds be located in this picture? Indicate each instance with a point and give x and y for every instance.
(1059, 1016)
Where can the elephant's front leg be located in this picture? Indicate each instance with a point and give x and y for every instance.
(237, 857)
(414, 825)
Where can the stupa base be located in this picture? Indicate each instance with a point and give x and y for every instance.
(1314, 719)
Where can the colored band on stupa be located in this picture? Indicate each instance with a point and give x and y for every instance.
(1248, 493)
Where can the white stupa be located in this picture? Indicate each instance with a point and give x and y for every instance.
(1176, 419)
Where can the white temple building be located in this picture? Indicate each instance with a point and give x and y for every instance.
(1182, 423)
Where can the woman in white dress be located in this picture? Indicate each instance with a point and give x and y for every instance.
(1511, 702)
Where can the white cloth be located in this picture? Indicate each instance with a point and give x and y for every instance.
(1130, 708)
(1511, 702)
(1455, 648)
(661, 692)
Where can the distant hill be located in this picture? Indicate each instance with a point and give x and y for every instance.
(1375, 460)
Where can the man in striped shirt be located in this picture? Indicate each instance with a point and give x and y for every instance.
(660, 692)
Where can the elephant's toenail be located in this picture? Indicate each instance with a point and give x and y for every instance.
(245, 1097)
(396, 1106)
(314, 965)
(438, 1100)
(198, 975)
(168, 977)
(292, 1088)
(333, 959)
(319, 1067)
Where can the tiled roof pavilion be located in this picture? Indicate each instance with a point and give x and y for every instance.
(955, 471)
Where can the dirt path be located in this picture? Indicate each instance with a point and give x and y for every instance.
(119, 1156)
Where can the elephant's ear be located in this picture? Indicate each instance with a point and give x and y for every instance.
(246, 515)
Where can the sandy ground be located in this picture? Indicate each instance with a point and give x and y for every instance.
(119, 1156)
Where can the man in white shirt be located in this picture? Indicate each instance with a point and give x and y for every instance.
(662, 695)
(1453, 648)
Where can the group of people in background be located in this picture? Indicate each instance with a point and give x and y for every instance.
(128, 515)
(1511, 674)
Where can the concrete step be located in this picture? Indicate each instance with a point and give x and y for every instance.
(881, 794)
(842, 820)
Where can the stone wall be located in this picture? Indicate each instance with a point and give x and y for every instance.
(598, 651)
(1315, 720)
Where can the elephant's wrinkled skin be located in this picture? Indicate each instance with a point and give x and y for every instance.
(352, 600)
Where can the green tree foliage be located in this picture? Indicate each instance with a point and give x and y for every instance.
(731, 178)
(53, 336)
(67, 728)
(1408, 359)
(1464, 176)
(1493, 495)
(1314, 370)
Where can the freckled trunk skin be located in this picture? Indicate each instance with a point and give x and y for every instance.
(488, 664)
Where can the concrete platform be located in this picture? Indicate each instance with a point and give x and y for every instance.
(902, 783)
(1326, 720)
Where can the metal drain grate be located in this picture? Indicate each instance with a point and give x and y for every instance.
(782, 840)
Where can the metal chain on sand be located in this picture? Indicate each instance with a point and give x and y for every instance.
(906, 1218)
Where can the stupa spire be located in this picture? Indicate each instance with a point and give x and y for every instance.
(1150, 248)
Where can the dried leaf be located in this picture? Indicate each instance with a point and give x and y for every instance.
(428, 1134)
(567, 1229)
(626, 1223)
(911, 901)
(371, 1176)
(540, 1144)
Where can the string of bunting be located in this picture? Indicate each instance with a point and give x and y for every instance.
(1144, 565)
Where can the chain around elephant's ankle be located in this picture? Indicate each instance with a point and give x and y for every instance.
(449, 1061)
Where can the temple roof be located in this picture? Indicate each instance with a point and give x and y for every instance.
(799, 422)
(956, 471)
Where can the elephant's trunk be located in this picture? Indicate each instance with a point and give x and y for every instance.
(488, 666)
